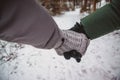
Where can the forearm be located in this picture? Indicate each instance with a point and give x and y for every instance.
(24, 21)
(103, 21)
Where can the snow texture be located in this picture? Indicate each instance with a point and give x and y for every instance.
(101, 61)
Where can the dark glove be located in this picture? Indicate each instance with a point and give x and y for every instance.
(73, 53)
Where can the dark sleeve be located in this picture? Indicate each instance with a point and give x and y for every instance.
(24, 21)
(103, 21)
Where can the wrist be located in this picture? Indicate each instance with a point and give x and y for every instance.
(80, 29)
(60, 41)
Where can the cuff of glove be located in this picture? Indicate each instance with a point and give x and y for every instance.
(79, 28)
(60, 41)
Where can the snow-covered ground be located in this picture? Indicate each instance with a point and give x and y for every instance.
(101, 61)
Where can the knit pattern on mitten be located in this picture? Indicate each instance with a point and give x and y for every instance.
(73, 41)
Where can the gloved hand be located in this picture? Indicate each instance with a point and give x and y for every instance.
(73, 44)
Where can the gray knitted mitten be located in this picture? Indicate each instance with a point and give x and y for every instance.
(71, 43)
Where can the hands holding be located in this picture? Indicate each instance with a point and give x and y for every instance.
(73, 45)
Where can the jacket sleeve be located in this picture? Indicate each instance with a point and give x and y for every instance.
(24, 21)
(103, 21)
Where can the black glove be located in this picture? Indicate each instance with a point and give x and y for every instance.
(73, 53)
(79, 28)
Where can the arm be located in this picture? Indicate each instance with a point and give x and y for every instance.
(24, 21)
(102, 21)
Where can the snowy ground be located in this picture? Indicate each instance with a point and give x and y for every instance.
(101, 62)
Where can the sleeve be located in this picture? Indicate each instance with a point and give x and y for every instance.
(24, 21)
(103, 21)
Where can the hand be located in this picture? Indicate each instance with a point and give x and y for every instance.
(74, 54)
(73, 45)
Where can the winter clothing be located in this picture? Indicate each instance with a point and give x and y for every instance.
(102, 21)
(72, 41)
(25, 21)
(79, 28)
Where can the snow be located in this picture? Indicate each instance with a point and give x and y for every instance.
(101, 61)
